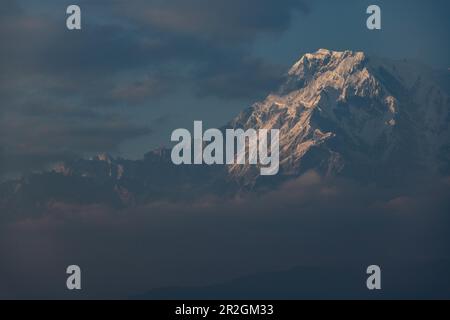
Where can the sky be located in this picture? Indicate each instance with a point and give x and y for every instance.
(137, 71)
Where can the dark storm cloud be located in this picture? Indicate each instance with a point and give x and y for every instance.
(139, 91)
(217, 33)
(142, 35)
(126, 55)
(238, 79)
(219, 20)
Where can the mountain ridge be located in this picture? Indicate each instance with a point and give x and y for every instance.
(339, 113)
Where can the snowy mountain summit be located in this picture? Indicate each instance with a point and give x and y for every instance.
(347, 113)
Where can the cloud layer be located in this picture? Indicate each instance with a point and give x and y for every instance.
(310, 222)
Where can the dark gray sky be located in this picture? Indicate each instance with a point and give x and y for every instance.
(136, 71)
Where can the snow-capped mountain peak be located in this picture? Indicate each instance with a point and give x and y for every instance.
(339, 110)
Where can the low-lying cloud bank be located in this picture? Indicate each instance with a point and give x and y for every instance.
(307, 222)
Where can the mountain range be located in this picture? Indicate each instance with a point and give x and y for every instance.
(339, 113)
